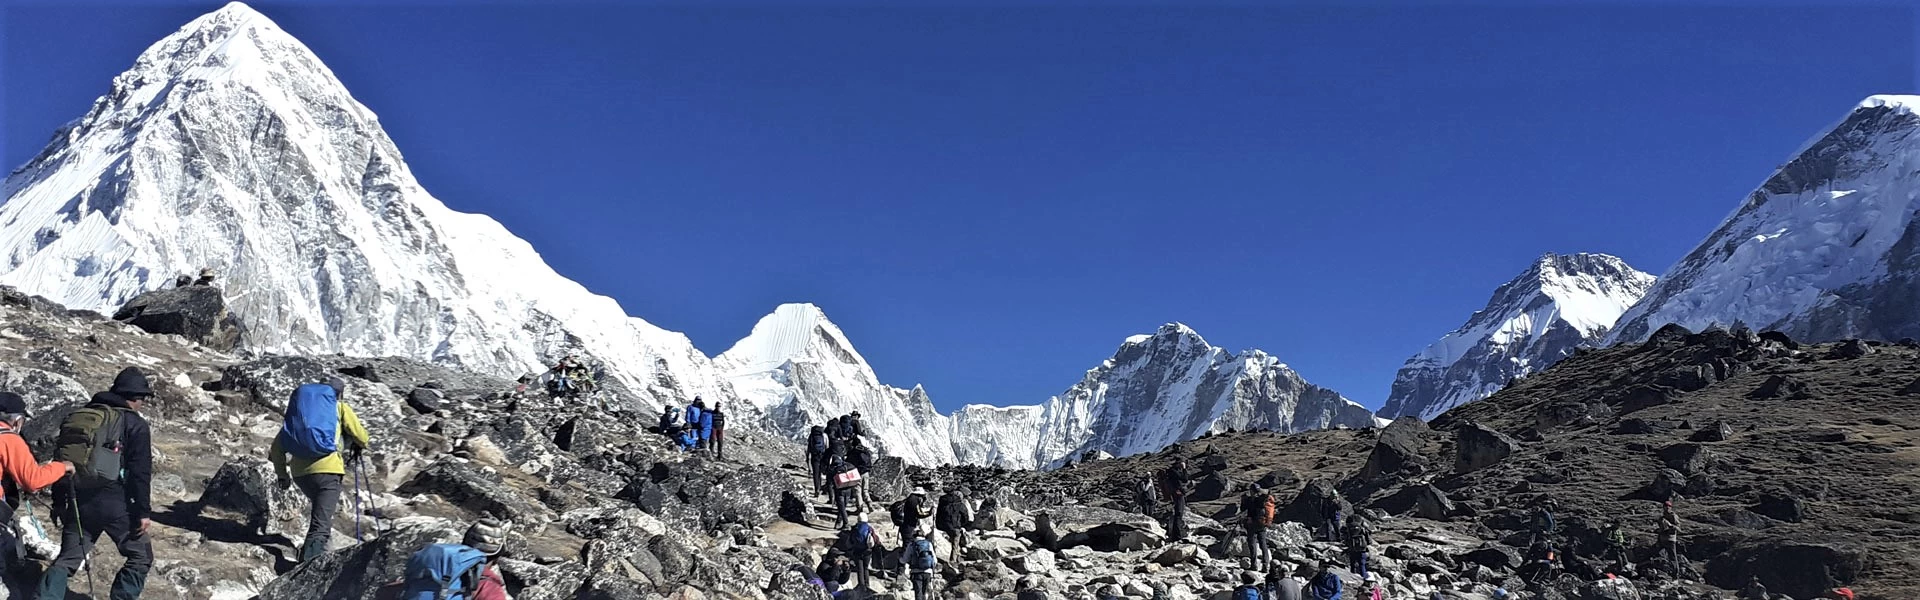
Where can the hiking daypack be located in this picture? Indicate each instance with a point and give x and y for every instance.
(1246, 592)
(312, 429)
(444, 572)
(90, 439)
(898, 513)
(1265, 515)
(817, 443)
(862, 541)
(693, 415)
(920, 555)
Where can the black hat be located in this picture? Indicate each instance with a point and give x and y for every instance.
(13, 404)
(130, 383)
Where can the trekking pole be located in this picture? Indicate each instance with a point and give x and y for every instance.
(86, 561)
(357, 535)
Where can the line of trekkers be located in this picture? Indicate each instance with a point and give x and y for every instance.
(102, 477)
(704, 428)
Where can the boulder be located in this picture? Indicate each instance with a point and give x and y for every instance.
(1798, 569)
(1098, 528)
(703, 494)
(1665, 485)
(1638, 426)
(1177, 554)
(1780, 387)
(1850, 349)
(532, 581)
(1718, 431)
(1493, 557)
(1212, 486)
(356, 572)
(1641, 397)
(197, 312)
(1423, 500)
(1398, 448)
(425, 401)
(1912, 389)
(888, 479)
(1306, 506)
(1479, 447)
(795, 508)
(478, 490)
(1782, 506)
(1279, 479)
(1607, 589)
(1688, 459)
(1038, 563)
(246, 486)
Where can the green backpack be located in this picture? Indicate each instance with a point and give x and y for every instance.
(90, 439)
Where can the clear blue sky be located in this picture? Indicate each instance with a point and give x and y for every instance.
(988, 200)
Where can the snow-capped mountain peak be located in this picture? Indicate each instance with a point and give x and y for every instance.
(1539, 317)
(1827, 248)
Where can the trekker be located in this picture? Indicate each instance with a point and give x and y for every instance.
(25, 476)
(846, 485)
(1330, 519)
(695, 412)
(909, 513)
(1256, 510)
(1173, 483)
(706, 427)
(835, 569)
(111, 448)
(1282, 585)
(307, 453)
(1753, 591)
(1147, 496)
(1028, 588)
(1249, 587)
(1616, 543)
(463, 571)
(817, 458)
(1359, 544)
(1326, 584)
(921, 562)
(1670, 538)
(862, 458)
(952, 518)
(861, 545)
(717, 424)
(1373, 588)
(206, 277)
(855, 428)
(670, 423)
(1543, 523)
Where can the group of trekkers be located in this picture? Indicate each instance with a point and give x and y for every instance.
(704, 428)
(101, 482)
(846, 569)
(838, 461)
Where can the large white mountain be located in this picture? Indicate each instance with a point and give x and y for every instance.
(1557, 305)
(229, 145)
(1158, 389)
(1827, 248)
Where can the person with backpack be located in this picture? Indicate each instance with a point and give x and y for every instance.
(1330, 519)
(921, 562)
(862, 458)
(1326, 584)
(463, 571)
(1282, 585)
(835, 569)
(308, 453)
(1249, 587)
(24, 476)
(817, 458)
(952, 518)
(862, 544)
(854, 426)
(696, 412)
(111, 448)
(1147, 496)
(1542, 521)
(846, 485)
(1174, 485)
(1257, 509)
(910, 514)
(1359, 545)
(670, 423)
(1373, 588)
(716, 423)
(706, 428)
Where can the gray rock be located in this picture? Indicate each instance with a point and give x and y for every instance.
(1397, 449)
(198, 313)
(1097, 528)
(465, 485)
(1479, 447)
(425, 401)
(246, 486)
(356, 572)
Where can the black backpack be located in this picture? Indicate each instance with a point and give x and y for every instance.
(817, 442)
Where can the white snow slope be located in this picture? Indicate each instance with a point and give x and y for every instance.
(1828, 248)
(229, 145)
(1560, 303)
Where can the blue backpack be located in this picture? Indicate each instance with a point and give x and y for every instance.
(920, 555)
(862, 538)
(443, 572)
(312, 429)
(1247, 592)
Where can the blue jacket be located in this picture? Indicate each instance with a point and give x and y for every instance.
(693, 415)
(1325, 587)
(706, 424)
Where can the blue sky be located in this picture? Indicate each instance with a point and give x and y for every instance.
(989, 199)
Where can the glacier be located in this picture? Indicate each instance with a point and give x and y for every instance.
(1559, 304)
(1827, 248)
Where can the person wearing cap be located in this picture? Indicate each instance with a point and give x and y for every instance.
(320, 479)
(18, 466)
(1669, 531)
(489, 536)
(1249, 587)
(1255, 515)
(1284, 585)
(120, 508)
(1373, 588)
(206, 277)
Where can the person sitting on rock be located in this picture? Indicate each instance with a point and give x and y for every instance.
(307, 452)
(1754, 590)
(835, 570)
(1326, 584)
(670, 423)
(1249, 587)
(18, 466)
(206, 277)
(1282, 585)
(1616, 543)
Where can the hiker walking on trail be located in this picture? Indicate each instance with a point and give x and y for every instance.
(308, 453)
(1257, 509)
(111, 448)
(921, 562)
(1173, 484)
(1359, 543)
(1147, 496)
(861, 544)
(862, 459)
(18, 467)
(464, 570)
(716, 425)
(1330, 520)
(1543, 522)
(909, 515)
(817, 458)
(846, 486)
(952, 518)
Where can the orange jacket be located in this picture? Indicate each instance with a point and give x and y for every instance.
(17, 463)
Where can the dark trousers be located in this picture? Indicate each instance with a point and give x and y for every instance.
(1257, 547)
(922, 584)
(861, 565)
(13, 558)
(1177, 522)
(719, 442)
(102, 513)
(840, 507)
(818, 472)
(323, 494)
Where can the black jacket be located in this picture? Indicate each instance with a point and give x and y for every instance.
(135, 487)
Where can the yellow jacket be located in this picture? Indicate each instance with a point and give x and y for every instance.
(332, 463)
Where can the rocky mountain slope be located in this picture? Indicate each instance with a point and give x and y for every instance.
(1828, 248)
(230, 145)
(1560, 303)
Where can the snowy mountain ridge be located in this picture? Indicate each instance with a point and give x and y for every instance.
(1560, 303)
(229, 145)
(1827, 248)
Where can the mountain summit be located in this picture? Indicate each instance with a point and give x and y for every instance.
(229, 145)
(1558, 304)
(1828, 248)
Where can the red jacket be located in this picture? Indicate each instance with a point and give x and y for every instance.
(17, 463)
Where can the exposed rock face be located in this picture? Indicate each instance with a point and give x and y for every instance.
(1556, 306)
(197, 312)
(1478, 447)
(1398, 449)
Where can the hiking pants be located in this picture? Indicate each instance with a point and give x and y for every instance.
(1148, 507)
(956, 540)
(1358, 560)
(323, 494)
(861, 565)
(1257, 547)
(1177, 522)
(922, 584)
(719, 442)
(840, 507)
(104, 512)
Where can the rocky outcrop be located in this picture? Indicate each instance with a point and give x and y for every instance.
(1477, 447)
(1096, 528)
(197, 312)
